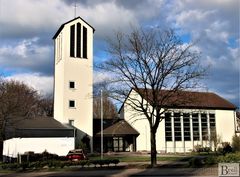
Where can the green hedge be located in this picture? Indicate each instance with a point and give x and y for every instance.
(58, 164)
(214, 159)
(230, 158)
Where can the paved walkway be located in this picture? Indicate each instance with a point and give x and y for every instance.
(132, 172)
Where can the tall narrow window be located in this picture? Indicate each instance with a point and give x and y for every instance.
(78, 40)
(195, 124)
(204, 126)
(84, 42)
(72, 40)
(212, 126)
(168, 127)
(177, 127)
(186, 125)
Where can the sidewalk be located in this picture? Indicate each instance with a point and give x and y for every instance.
(133, 172)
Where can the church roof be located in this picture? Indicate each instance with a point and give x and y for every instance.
(188, 99)
(62, 26)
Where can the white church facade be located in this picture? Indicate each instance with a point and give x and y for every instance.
(184, 126)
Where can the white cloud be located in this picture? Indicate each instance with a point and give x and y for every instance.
(31, 17)
(44, 84)
(100, 77)
(27, 55)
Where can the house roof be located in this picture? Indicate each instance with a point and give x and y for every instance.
(62, 26)
(187, 99)
(41, 123)
(39, 127)
(120, 128)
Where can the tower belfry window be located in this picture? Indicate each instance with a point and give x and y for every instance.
(78, 40)
(72, 41)
(84, 42)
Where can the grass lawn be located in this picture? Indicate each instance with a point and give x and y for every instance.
(140, 158)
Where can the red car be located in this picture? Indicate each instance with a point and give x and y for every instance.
(76, 155)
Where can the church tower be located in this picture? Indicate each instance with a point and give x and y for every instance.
(73, 77)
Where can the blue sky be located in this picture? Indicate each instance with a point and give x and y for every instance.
(27, 27)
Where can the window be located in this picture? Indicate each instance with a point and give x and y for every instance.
(72, 85)
(72, 41)
(117, 144)
(177, 127)
(78, 40)
(71, 103)
(168, 127)
(71, 122)
(212, 125)
(195, 123)
(84, 42)
(186, 125)
(204, 126)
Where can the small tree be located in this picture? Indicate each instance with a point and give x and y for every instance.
(236, 143)
(150, 61)
(216, 139)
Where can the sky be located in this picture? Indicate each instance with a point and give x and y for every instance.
(27, 28)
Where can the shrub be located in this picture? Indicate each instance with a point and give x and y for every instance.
(57, 163)
(226, 148)
(94, 162)
(196, 162)
(199, 148)
(11, 166)
(230, 158)
(236, 143)
(83, 162)
(115, 161)
(210, 160)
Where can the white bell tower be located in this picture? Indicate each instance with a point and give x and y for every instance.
(73, 77)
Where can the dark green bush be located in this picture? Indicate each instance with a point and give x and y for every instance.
(94, 162)
(58, 164)
(10, 166)
(230, 158)
(83, 162)
(115, 161)
(236, 143)
(196, 162)
(210, 160)
(226, 148)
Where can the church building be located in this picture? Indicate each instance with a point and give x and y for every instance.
(184, 126)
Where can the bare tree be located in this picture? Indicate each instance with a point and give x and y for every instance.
(46, 106)
(109, 109)
(150, 61)
(17, 102)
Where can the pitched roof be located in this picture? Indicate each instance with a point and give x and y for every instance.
(41, 123)
(188, 99)
(62, 26)
(39, 127)
(121, 128)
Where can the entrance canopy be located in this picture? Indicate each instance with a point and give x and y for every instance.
(120, 128)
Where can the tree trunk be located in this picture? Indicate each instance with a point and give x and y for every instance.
(153, 149)
(1, 150)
